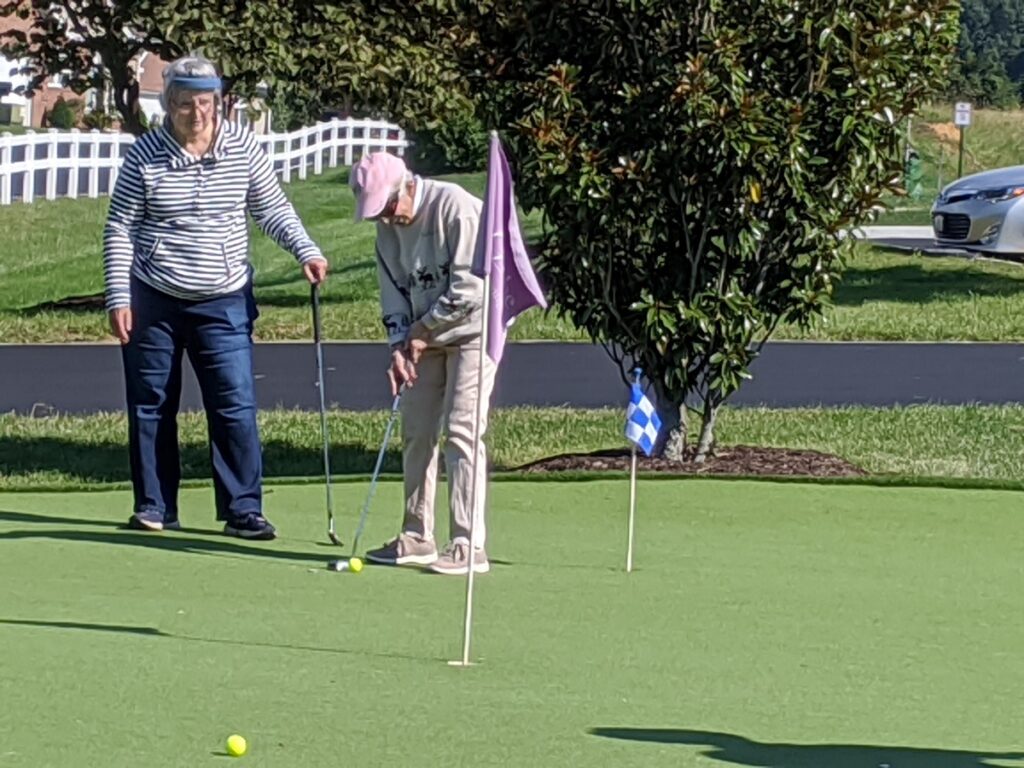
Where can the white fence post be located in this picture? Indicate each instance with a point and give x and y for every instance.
(349, 133)
(76, 138)
(115, 163)
(303, 153)
(28, 185)
(51, 164)
(270, 148)
(288, 140)
(94, 163)
(5, 165)
(318, 157)
(333, 161)
(86, 156)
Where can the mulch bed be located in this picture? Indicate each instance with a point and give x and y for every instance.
(728, 460)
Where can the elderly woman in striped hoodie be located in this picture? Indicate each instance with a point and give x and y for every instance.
(178, 280)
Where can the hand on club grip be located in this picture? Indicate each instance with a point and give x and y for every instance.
(402, 370)
(416, 340)
(315, 271)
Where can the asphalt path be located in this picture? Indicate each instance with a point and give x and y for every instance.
(84, 378)
(919, 239)
(925, 245)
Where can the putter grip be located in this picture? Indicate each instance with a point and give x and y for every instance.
(314, 299)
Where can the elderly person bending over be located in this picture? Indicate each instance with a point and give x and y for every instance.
(431, 306)
(178, 280)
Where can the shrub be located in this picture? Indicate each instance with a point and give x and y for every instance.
(63, 114)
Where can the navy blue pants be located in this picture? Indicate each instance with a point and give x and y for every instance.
(217, 335)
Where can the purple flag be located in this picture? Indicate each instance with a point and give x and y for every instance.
(502, 255)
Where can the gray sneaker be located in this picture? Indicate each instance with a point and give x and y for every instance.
(454, 560)
(404, 549)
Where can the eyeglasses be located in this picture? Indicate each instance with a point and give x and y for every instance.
(387, 211)
(198, 104)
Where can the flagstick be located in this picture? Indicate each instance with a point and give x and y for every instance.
(468, 626)
(632, 512)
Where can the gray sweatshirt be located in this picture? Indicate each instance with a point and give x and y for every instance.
(424, 268)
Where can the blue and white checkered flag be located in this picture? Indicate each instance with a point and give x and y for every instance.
(642, 421)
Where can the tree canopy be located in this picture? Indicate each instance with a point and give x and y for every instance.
(70, 37)
(698, 161)
(990, 56)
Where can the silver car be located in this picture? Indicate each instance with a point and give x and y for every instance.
(983, 212)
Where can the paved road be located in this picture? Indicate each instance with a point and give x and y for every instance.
(923, 244)
(86, 378)
(82, 378)
(914, 238)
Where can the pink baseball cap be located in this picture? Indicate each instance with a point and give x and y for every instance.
(374, 180)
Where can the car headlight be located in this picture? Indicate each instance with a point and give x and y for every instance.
(999, 194)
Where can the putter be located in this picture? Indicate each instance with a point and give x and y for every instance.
(314, 293)
(376, 471)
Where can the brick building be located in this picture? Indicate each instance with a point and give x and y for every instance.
(19, 110)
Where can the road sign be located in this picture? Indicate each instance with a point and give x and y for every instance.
(962, 113)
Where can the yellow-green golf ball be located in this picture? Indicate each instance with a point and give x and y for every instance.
(355, 565)
(236, 745)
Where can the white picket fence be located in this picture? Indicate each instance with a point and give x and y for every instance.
(73, 163)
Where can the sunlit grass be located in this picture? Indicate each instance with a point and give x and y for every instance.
(981, 443)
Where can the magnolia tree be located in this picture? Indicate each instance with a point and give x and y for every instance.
(87, 44)
(697, 163)
(376, 59)
(99, 43)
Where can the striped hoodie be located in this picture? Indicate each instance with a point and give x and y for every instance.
(177, 222)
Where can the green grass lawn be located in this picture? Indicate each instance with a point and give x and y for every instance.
(914, 214)
(892, 296)
(16, 130)
(981, 445)
(53, 251)
(993, 140)
(782, 625)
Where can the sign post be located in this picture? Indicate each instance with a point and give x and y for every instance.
(962, 118)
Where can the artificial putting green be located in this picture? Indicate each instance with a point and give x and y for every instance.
(787, 625)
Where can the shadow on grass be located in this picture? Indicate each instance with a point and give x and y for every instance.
(297, 280)
(281, 298)
(159, 633)
(7, 516)
(737, 750)
(913, 284)
(108, 462)
(94, 302)
(210, 543)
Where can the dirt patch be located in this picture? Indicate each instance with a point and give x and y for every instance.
(729, 460)
(946, 132)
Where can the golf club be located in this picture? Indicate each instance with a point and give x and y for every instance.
(376, 470)
(314, 292)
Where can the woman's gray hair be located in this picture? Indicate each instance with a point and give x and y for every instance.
(192, 67)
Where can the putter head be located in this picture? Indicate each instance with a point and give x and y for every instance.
(334, 539)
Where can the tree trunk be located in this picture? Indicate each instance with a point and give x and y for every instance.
(676, 436)
(126, 99)
(671, 443)
(706, 442)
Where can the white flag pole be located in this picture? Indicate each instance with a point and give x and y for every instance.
(468, 625)
(632, 512)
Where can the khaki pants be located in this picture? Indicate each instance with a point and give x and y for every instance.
(445, 397)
